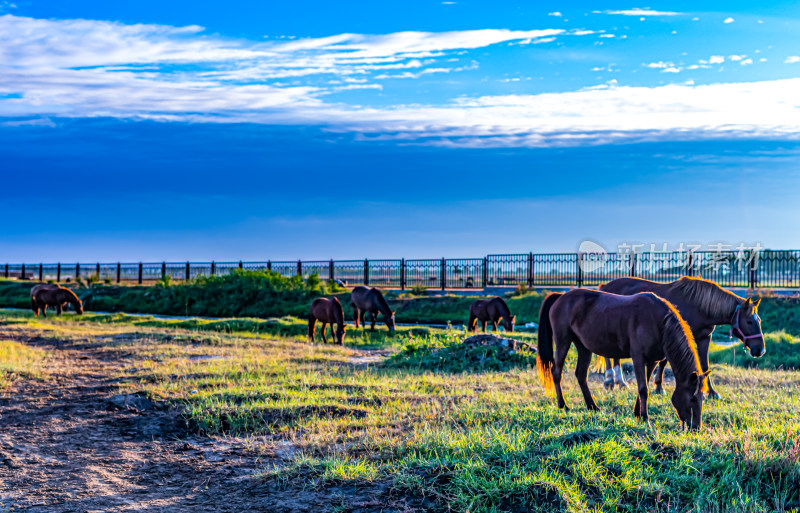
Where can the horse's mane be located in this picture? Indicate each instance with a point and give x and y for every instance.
(504, 307)
(73, 298)
(679, 343)
(384, 306)
(707, 295)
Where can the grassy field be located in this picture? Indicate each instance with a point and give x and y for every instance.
(268, 295)
(18, 360)
(473, 432)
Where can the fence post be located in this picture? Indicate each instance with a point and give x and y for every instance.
(330, 271)
(444, 273)
(213, 268)
(579, 274)
(188, 271)
(300, 268)
(163, 270)
(98, 271)
(140, 273)
(41, 269)
(753, 269)
(689, 263)
(530, 269)
(58, 272)
(269, 265)
(633, 263)
(119, 272)
(6, 270)
(22, 274)
(366, 272)
(485, 273)
(241, 265)
(402, 274)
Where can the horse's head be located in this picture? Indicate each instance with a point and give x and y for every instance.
(340, 334)
(390, 322)
(688, 399)
(79, 307)
(746, 326)
(509, 322)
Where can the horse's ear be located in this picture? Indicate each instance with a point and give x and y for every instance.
(748, 302)
(758, 302)
(513, 318)
(706, 374)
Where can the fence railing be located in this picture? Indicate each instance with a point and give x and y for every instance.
(761, 269)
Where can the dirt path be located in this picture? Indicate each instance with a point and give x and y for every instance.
(71, 443)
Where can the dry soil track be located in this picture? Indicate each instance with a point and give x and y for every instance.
(72, 443)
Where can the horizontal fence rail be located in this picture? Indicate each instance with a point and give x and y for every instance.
(752, 269)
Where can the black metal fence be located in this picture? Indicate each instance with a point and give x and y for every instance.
(753, 269)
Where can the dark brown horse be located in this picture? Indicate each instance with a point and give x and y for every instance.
(365, 300)
(703, 304)
(327, 311)
(490, 311)
(643, 327)
(46, 294)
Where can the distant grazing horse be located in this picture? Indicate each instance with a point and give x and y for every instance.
(703, 304)
(643, 327)
(327, 311)
(490, 311)
(365, 300)
(46, 294)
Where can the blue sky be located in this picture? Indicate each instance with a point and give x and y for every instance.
(196, 130)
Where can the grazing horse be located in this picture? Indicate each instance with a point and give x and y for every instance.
(643, 327)
(490, 311)
(327, 311)
(365, 300)
(703, 304)
(45, 295)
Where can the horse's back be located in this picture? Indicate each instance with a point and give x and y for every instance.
(628, 286)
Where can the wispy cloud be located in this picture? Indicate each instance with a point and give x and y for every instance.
(82, 68)
(792, 59)
(640, 12)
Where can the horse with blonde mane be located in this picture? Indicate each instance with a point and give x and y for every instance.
(642, 327)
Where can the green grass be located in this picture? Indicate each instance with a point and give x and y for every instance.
(19, 361)
(473, 439)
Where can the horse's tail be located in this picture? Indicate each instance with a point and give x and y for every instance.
(544, 358)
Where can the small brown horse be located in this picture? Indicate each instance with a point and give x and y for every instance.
(365, 300)
(643, 327)
(327, 311)
(490, 311)
(703, 304)
(46, 294)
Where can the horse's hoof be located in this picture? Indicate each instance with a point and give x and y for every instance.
(714, 395)
(594, 407)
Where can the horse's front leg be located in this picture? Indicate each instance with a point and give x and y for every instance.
(643, 371)
(472, 325)
(702, 351)
(372, 317)
(660, 377)
(494, 326)
(609, 382)
(582, 372)
(59, 309)
(44, 310)
(324, 340)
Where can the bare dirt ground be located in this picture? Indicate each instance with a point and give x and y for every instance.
(71, 442)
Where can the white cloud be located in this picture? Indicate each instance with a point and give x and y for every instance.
(792, 59)
(658, 65)
(736, 57)
(81, 68)
(640, 12)
(728, 20)
(671, 69)
(745, 62)
(555, 13)
(716, 59)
